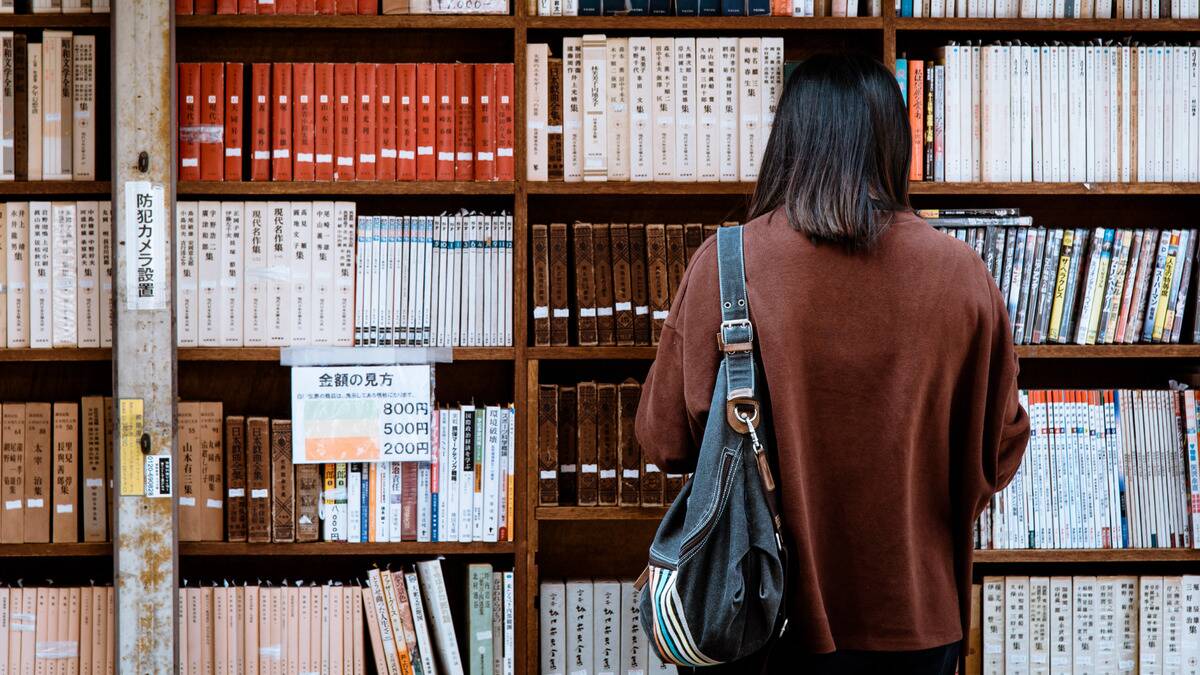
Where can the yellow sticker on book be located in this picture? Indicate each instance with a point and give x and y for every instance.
(133, 462)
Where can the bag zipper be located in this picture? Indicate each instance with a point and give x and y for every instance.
(696, 539)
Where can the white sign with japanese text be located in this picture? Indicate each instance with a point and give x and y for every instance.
(145, 248)
(362, 414)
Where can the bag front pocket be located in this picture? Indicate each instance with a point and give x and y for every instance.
(693, 542)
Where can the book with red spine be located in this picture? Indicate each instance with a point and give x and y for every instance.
(464, 123)
(285, 6)
(303, 122)
(189, 121)
(447, 102)
(506, 113)
(368, 7)
(326, 7)
(364, 121)
(485, 121)
(205, 7)
(306, 7)
(184, 7)
(281, 121)
(343, 121)
(385, 134)
(260, 121)
(426, 121)
(324, 120)
(212, 121)
(346, 6)
(406, 121)
(247, 6)
(227, 6)
(265, 7)
(234, 120)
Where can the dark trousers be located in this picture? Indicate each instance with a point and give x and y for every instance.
(783, 661)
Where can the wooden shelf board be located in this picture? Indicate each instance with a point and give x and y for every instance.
(222, 548)
(79, 550)
(66, 354)
(69, 188)
(338, 188)
(1024, 351)
(1088, 556)
(272, 354)
(1034, 189)
(336, 22)
(704, 22)
(10, 21)
(1050, 25)
(588, 513)
(630, 188)
(588, 353)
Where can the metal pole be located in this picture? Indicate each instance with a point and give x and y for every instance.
(146, 556)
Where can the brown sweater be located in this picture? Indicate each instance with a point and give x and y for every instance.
(893, 387)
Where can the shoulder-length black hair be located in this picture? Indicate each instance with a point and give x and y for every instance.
(837, 159)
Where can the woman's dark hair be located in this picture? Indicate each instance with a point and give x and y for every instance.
(837, 159)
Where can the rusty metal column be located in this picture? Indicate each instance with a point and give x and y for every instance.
(146, 556)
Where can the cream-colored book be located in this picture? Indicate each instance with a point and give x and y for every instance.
(750, 139)
(63, 276)
(537, 104)
(208, 273)
(231, 283)
(87, 293)
(40, 243)
(617, 114)
(993, 625)
(685, 109)
(708, 146)
(105, 239)
(344, 238)
(572, 109)
(594, 91)
(640, 76)
(323, 255)
(51, 100)
(772, 84)
(255, 272)
(662, 115)
(187, 289)
(34, 114)
(3, 276)
(301, 296)
(278, 282)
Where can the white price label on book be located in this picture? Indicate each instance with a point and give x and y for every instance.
(362, 414)
(145, 249)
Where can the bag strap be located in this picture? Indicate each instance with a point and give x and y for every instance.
(735, 339)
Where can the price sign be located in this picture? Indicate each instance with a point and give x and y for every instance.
(362, 414)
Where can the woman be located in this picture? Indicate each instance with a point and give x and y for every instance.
(891, 374)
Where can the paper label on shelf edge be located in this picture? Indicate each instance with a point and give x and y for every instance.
(144, 246)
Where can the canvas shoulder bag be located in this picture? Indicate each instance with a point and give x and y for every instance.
(713, 591)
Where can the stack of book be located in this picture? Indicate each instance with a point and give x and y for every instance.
(69, 630)
(625, 277)
(1091, 112)
(1103, 469)
(587, 452)
(53, 478)
(48, 107)
(1103, 624)
(238, 483)
(705, 7)
(591, 626)
(56, 265)
(1088, 286)
(1050, 9)
(347, 121)
(680, 109)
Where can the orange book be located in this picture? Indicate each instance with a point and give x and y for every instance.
(260, 121)
(210, 500)
(303, 122)
(368, 7)
(306, 7)
(191, 467)
(446, 113)
(247, 6)
(343, 139)
(189, 121)
(110, 632)
(326, 7)
(212, 121)
(205, 6)
(464, 122)
(485, 121)
(37, 473)
(406, 121)
(99, 630)
(385, 134)
(184, 7)
(346, 6)
(916, 117)
(426, 120)
(234, 119)
(12, 468)
(87, 625)
(365, 120)
(285, 6)
(227, 6)
(323, 131)
(66, 473)
(281, 121)
(781, 8)
(506, 114)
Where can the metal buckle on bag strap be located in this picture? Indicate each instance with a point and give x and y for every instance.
(741, 412)
(740, 346)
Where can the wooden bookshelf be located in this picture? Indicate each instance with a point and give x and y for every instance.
(409, 548)
(269, 354)
(80, 550)
(342, 22)
(704, 23)
(339, 188)
(56, 21)
(10, 190)
(1123, 26)
(587, 513)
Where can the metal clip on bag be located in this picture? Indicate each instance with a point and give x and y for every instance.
(714, 588)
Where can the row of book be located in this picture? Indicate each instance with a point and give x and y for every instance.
(346, 121)
(705, 7)
(56, 471)
(237, 482)
(341, 7)
(48, 106)
(434, 280)
(56, 268)
(587, 452)
(1050, 9)
(1102, 286)
(617, 280)
(54, 6)
(1056, 112)
(1094, 624)
(651, 108)
(593, 626)
(1103, 469)
(66, 630)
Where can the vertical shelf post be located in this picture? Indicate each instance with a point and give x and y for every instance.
(146, 554)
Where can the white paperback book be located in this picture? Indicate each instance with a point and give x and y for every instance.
(343, 242)
(1039, 625)
(536, 116)
(208, 272)
(433, 588)
(491, 475)
(41, 317)
(552, 627)
(87, 299)
(662, 114)
(254, 274)
(572, 109)
(708, 147)
(1150, 619)
(421, 620)
(301, 295)
(64, 272)
(772, 84)
(451, 457)
(685, 109)
(1173, 628)
(104, 227)
(993, 625)
(606, 629)
(230, 288)
(466, 480)
(594, 90)
(324, 267)
(1083, 604)
(641, 164)
(580, 626)
(187, 322)
(277, 273)
(1061, 633)
(1016, 632)
(633, 640)
(617, 116)
(750, 139)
